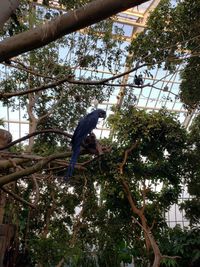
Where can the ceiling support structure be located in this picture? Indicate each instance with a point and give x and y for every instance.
(189, 118)
(134, 32)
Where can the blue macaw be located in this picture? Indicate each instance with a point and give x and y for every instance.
(84, 127)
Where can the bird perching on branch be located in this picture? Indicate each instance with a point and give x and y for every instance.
(84, 127)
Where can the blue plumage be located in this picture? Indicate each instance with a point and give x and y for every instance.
(84, 127)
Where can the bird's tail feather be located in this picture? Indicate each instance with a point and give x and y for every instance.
(72, 164)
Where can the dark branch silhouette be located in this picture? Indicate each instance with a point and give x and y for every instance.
(36, 133)
(72, 81)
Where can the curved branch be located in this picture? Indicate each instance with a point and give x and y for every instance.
(36, 133)
(36, 89)
(121, 165)
(72, 81)
(156, 250)
(104, 81)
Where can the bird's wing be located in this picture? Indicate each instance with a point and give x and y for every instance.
(85, 126)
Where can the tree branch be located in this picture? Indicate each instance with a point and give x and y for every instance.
(170, 257)
(5, 164)
(69, 22)
(36, 133)
(26, 172)
(121, 165)
(139, 212)
(72, 81)
(129, 197)
(36, 89)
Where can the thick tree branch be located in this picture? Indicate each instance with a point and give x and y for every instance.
(33, 169)
(6, 164)
(156, 250)
(9, 155)
(72, 21)
(130, 198)
(30, 170)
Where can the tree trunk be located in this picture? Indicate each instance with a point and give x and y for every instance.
(149, 239)
(72, 21)
(2, 205)
(7, 234)
(156, 250)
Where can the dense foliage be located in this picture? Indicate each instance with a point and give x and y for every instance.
(101, 218)
(171, 39)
